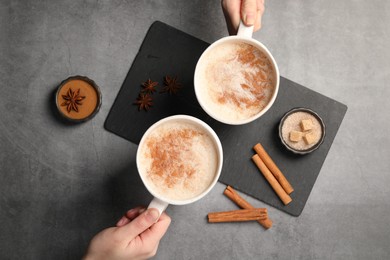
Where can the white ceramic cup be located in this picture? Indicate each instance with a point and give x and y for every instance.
(160, 202)
(244, 35)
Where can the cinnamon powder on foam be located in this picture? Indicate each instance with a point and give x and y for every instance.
(254, 74)
(179, 160)
(254, 81)
(168, 160)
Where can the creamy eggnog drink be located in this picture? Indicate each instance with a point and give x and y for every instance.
(178, 160)
(235, 80)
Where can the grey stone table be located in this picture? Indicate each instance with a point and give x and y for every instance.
(61, 184)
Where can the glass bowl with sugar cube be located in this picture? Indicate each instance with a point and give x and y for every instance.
(301, 130)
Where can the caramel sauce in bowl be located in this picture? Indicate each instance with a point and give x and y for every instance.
(78, 99)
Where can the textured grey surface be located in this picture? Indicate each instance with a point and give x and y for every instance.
(61, 184)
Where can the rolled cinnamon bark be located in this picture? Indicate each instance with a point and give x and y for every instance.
(242, 203)
(284, 197)
(264, 156)
(237, 215)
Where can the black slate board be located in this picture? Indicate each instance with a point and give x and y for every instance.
(168, 51)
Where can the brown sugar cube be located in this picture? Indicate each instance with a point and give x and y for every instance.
(306, 124)
(295, 136)
(309, 138)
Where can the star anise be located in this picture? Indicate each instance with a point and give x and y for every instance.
(144, 101)
(149, 86)
(72, 100)
(171, 85)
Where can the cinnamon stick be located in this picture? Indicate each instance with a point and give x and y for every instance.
(284, 197)
(264, 156)
(237, 215)
(242, 203)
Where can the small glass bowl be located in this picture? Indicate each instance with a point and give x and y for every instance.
(94, 86)
(310, 149)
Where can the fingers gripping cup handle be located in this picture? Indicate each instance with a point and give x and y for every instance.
(245, 31)
(158, 204)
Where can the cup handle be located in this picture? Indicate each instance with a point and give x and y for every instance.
(158, 204)
(245, 31)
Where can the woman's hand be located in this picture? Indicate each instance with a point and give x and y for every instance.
(136, 236)
(249, 11)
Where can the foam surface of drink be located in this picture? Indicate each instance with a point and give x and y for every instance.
(179, 160)
(237, 80)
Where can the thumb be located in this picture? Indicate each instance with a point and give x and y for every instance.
(248, 12)
(139, 224)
